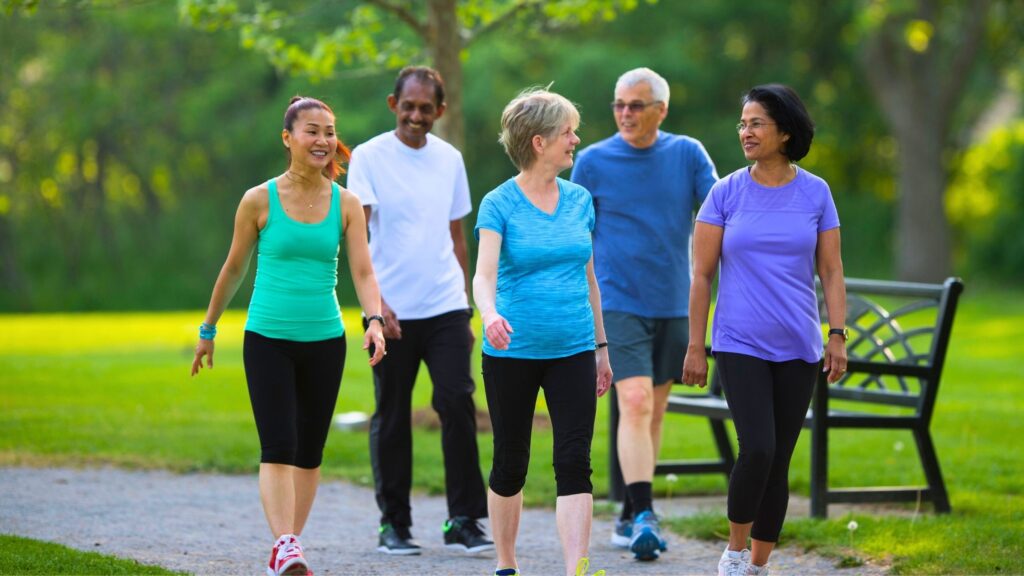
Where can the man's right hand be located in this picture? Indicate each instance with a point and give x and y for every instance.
(392, 328)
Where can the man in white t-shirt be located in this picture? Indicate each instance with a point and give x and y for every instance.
(415, 193)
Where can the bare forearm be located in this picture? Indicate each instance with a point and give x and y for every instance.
(483, 295)
(367, 292)
(700, 305)
(224, 290)
(595, 306)
(462, 255)
(833, 286)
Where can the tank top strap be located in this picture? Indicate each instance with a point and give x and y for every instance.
(273, 199)
(336, 206)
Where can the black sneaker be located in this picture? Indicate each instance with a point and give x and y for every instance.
(396, 540)
(464, 533)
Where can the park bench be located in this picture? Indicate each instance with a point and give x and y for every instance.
(899, 333)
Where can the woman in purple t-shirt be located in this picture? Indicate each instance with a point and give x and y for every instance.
(770, 226)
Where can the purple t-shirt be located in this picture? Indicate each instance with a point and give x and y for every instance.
(767, 306)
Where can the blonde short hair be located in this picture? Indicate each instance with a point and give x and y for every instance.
(534, 112)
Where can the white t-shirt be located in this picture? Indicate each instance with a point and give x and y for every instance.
(414, 195)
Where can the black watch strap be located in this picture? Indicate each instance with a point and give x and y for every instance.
(378, 318)
(844, 332)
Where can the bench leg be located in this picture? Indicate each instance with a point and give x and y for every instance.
(724, 447)
(930, 463)
(616, 486)
(819, 451)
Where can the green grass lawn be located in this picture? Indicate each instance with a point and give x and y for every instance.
(23, 556)
(115, 388)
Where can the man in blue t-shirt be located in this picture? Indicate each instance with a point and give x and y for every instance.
(647, 185)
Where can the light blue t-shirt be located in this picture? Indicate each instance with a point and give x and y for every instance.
(767, 306)
(542, 288)
(645, 199)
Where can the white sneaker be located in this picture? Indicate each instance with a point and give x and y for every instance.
(756, 570)
(734, 563)
(289, 560)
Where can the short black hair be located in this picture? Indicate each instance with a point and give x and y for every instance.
(425, 75)
(784, 106)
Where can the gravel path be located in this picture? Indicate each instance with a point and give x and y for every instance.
(213, 524)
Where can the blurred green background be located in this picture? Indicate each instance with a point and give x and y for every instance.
(130, 129)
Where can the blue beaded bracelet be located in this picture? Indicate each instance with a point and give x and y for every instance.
(207, 332)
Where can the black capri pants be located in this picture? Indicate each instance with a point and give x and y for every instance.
(293, 387)
(768, 401)
(569, 385)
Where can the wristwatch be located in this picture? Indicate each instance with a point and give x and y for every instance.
(844, 332)
(378, 318)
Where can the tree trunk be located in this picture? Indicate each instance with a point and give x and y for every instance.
(922, 230)
(444, 44)
(918, 93)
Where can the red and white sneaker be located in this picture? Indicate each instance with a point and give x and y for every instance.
(286, 559)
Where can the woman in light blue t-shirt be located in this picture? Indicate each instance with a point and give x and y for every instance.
(541, 309)
(771, 226)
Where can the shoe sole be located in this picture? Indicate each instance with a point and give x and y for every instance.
(620, 541)
(399, 552)
(468, 550)
(646, 546)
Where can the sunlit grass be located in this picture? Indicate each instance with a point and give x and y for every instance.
(115, 389)
(24, 556)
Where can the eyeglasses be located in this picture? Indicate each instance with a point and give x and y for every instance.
(755, 126)
(634, 107)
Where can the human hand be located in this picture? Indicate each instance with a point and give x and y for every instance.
(203, 348)
(604, 371)
(375, 336)
(695, 367)
(835, 359)
(498, 331)
(392, 327)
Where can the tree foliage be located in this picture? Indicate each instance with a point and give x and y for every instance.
(361, 36)
(126, 139)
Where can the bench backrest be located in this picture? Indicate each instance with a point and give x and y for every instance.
(899, 334)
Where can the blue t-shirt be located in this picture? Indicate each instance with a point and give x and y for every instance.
(645, 199)
(542, 287)
(767, 305)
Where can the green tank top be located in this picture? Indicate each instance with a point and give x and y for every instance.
(294, 294)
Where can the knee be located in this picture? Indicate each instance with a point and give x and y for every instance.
(309, 457)
(508, 470)
(635, 401)
(457, 403)
(278, 454)
(573, 477)
(758, 456)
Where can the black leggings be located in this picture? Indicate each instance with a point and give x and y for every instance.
(569, 384)
(768, 401)
(293, 387)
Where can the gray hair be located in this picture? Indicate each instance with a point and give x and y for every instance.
(534, 112)
(659, 86)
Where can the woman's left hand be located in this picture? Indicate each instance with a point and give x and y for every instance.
(604, 371)
(835, 358)
(375, 336)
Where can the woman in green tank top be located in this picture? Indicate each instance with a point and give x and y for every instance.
(294, 347)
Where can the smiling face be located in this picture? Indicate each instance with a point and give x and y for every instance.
(416, 108)
(557, 149)
(639, 129)
(760, 139)
(312, 140)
